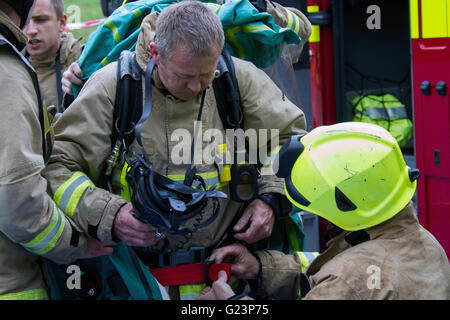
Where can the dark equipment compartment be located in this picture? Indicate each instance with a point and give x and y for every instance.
(371, 61)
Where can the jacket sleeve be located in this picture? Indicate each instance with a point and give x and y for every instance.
(294, 19)
(271, 115)
(82, 144)
(28, 216)
(280, 274)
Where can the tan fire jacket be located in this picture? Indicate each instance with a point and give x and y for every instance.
(288, 17)
(70, 51)
(30, 222)
(401, 260)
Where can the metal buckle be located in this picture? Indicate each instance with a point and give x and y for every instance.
(181, 256)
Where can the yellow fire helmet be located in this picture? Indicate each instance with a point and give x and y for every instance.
(353, 174)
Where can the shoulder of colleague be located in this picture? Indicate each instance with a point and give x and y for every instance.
(70, 49)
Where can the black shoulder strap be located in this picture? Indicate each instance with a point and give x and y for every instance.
(226, 91)
(60, 106)
(127, 111)
(128, 104)
(11, 38)
(47, 139)
(356, 237)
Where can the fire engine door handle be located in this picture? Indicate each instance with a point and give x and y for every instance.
(320, 18)
(441, 88)
(425, 87)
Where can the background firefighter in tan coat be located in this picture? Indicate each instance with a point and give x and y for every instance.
(185, 60)
(50, 49)
(31, 225)
(354, 175)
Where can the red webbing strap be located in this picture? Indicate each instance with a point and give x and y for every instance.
(189, 273)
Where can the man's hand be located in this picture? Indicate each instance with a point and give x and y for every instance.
(220, 289)
(243, 263)
(73, 74)
(132, 231)
(261, 218)
(96, 248)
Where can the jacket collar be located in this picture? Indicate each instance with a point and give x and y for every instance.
(402, 222)
(16, 36)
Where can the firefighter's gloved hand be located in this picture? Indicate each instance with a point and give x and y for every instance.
(259, 218)
(243, 263)
(220, 289)
(132, 231)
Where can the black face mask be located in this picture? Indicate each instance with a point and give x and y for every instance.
(22, 8)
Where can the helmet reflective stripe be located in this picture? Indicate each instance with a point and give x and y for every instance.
(46, 240)
(34, 294)
(353, 174)
(69, 193)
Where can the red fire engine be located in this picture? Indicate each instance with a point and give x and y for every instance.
(399, 47)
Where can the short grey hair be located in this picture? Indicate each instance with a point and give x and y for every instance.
(191, 24)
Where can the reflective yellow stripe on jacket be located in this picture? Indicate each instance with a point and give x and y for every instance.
(34, 294)
(190, 291)
(293, 21)
(306, 258)
(268, 164)
(69, 193)
(46, 240)
(211, 179)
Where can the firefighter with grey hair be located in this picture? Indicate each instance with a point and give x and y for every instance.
(176, 68)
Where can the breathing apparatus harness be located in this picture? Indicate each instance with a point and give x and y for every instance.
(160, 201)
(160, 193)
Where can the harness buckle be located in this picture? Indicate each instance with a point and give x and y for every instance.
(207, 279)
(182, 256)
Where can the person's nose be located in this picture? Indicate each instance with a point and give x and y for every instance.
(194, 85)
(30, 29)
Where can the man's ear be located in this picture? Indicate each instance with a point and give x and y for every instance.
(153, 48)
(62, 22)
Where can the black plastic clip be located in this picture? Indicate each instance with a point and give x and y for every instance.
(207, 279)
